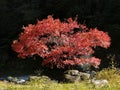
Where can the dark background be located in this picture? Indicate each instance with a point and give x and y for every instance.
(103, 14)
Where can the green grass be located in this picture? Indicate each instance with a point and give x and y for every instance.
(112, 75)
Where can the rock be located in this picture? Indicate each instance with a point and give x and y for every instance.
(71, 79)
(92, 74)
(12, 79)
(72, 72)
(75, 76)
(18, 80)
(26, 77)
(38, 77)
(34, 77)
(99, 83)
(71, 76)
(84, 76)
(21, 81)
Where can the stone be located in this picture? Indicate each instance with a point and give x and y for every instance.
(84, 76)
(99, 83)
(71, 76)
(34, 77)
(71, 79)
(21, 81)
(38, 77)
(12, 79)
(75, 76)
(72, 72)
(18, 79)
(92, 74)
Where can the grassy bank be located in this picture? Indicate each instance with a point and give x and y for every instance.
(43, 83)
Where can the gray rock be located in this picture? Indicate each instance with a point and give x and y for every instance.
(71, 79)
(18, 79)
(21, 81)
(33, 77)
(38, 77)
(71, 76)
(72, 72)
(75, 76)
(12, 79)
(92, 74)
(99, 83)
(84, 76)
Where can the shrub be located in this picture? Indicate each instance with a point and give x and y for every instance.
(60, 44)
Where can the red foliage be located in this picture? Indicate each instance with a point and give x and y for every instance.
(60, 44)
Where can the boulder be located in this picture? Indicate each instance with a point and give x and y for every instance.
(71, 76)
(72, 72)
(75, 76)
(84, 76)
(71, 79)
(99, 83)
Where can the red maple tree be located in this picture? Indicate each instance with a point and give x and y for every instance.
(60, 44)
